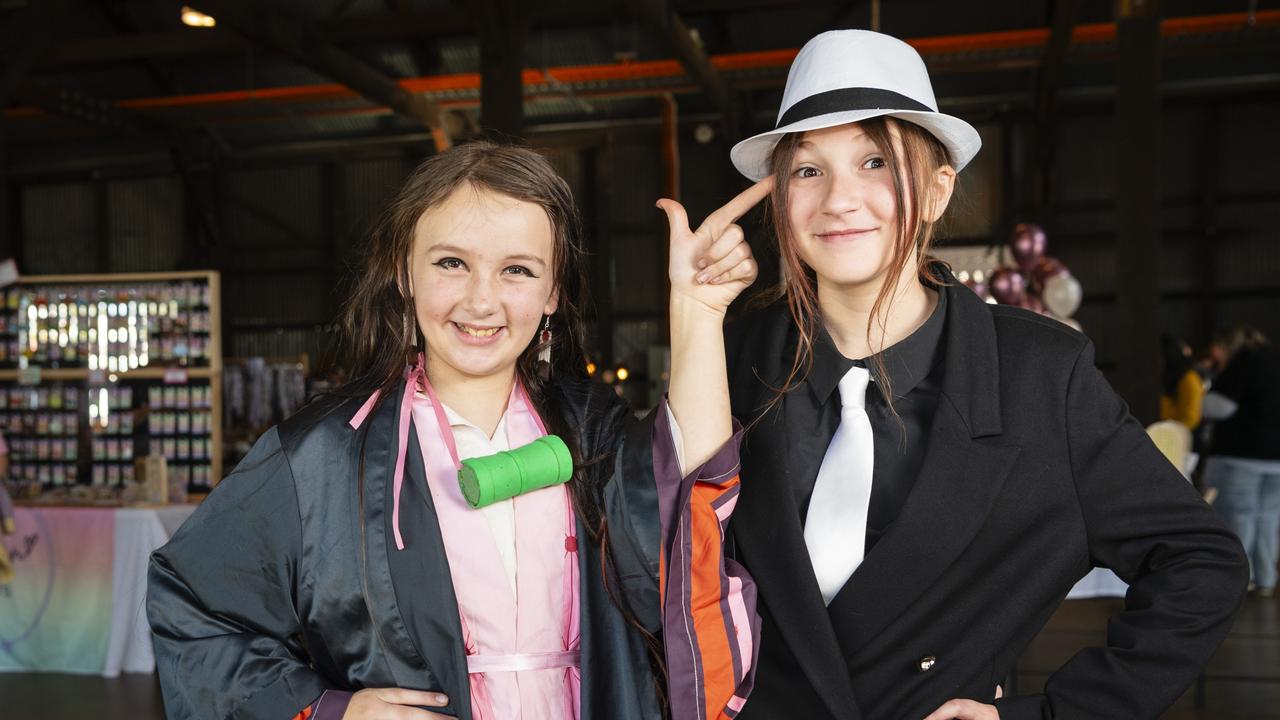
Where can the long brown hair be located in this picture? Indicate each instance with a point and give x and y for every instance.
(913, 160)
(380, 332)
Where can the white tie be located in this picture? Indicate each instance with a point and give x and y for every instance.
(835, 529)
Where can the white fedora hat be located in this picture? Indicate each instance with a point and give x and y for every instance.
(846, 76)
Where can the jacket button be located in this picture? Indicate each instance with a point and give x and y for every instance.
(926, 663)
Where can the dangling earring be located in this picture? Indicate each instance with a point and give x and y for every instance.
(544, 342)
(411, 331)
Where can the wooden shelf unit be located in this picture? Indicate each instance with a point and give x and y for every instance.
(212, 372)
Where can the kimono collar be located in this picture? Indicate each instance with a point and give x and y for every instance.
(416, 379)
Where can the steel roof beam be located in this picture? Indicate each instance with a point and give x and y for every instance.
(679, 37)
(26, 35)
(306, 43)
(1065, 13)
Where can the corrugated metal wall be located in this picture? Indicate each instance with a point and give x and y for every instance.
(146, 224)
(60, 228)
(1220, 219)
(367, 186)
(276, 288)
(979, 194)
(637, 227)
(282, 344)
(275, 300)
(274, 207)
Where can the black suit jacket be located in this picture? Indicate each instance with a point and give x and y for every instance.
(1034, 472)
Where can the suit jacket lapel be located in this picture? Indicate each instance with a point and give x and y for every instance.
(767, 527)
(964, 468)
(958, 483)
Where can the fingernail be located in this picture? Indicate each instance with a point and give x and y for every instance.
(702, 264)
(442, 699)
(702, 278)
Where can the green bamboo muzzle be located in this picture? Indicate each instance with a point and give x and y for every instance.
(493, 478)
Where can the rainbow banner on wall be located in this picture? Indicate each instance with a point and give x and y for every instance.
(56, 614)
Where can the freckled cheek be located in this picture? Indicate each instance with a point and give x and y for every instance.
(524, 305)
(437, 303)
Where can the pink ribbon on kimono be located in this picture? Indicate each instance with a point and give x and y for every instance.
(523, 661)
(416, 375)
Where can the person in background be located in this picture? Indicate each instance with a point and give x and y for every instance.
(1244, 402)
(1182, 391)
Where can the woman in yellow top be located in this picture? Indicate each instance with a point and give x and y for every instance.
(1182, 396)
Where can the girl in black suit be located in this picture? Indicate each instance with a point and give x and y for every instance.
(925, 475)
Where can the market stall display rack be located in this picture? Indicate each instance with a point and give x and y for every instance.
(97, 370)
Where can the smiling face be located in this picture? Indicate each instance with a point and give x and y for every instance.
(481, 277)
(842, 203)
(842, 206)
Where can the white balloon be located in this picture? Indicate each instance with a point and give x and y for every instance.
(1062, 294)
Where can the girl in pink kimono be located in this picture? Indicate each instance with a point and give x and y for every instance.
(339, 571)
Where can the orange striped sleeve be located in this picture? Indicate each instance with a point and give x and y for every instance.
(710, 625)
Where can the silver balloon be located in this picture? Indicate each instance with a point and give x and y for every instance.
(1062, 295)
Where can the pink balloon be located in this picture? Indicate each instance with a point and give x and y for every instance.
(1045, 268)
(1028, 244)
(1008, 286)
(1034, 303)
(978, 288)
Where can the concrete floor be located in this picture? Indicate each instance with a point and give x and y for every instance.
(1241, 683)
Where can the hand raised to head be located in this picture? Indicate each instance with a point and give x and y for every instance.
(713, 264)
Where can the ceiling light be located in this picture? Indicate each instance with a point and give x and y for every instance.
(195, 18)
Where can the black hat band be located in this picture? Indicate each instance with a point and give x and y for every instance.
(844, 99)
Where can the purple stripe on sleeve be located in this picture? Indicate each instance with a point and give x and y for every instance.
(666, 468)
(331, 705)
(686, 684)
(683, 662)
